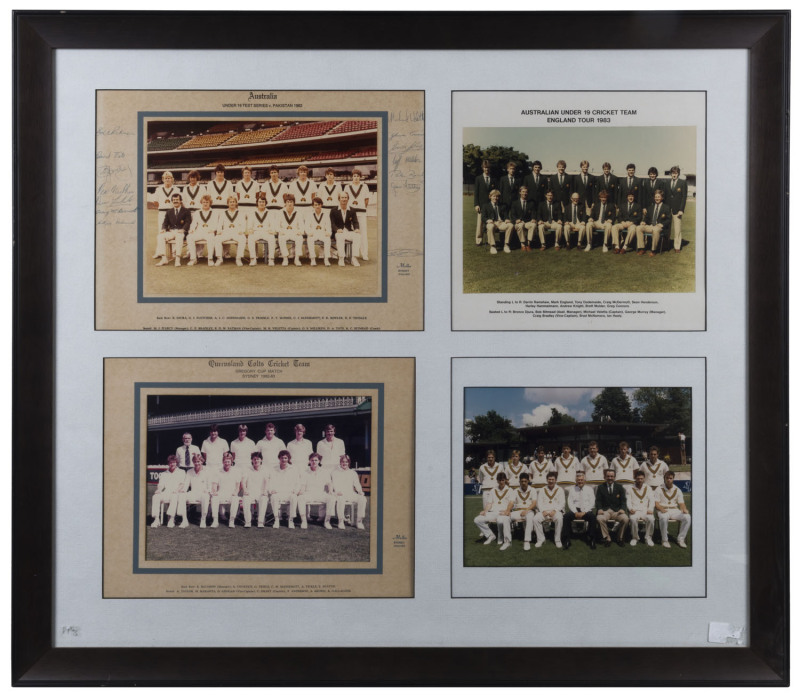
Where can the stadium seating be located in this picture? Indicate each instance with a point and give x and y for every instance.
(353, 126)
(207, 140)
(306, 130)
(368, 152)
(255, 136)
(161, 144)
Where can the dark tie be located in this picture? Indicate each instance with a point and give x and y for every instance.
(673, 184)
(186, 458)
(550, 209)
(655, 215)
(574, 213)
(602, 207)
(560, 180)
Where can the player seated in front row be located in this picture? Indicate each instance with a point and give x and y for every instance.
(551, 502)
(284, 486)
(523, 509)
(260, 223)
(501, 499)
(315, 487)
(671, 506)
(346, 488)
(318, 229)
(205, 223)
(495, 216)
(291, 227)
(225, 484)
(232, 228)
(254, 490)
(169, 488)
(197, 490)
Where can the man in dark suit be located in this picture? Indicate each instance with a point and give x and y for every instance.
(537, 185)
(676, 193)
(629, 217)
(611, 505)
(484, 184)
(509, 185)
(344, 224)
(522, 214)
(629, 183)
(601, 218)
(583, 185)
(650, 185)
(175, 227)
(495, 215)
(575, 218)
(549, 217)
(655, 221)
(561, 184)
(607, 182)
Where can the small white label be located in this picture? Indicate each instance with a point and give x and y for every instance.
(725, 633)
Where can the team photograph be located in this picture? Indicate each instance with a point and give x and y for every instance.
(261, 207)
(579, 209)
(268, 478)
(577, 476)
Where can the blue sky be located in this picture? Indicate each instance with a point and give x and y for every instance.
(661, 147)
(532, 405)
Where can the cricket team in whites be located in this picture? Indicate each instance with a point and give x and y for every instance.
(624, 209)
(567, 489)
(275, 213)
(265, 475)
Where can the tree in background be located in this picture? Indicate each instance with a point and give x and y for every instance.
(498, 155)
(491, 428)
(671, 405)
(612, 406)
(559, 418)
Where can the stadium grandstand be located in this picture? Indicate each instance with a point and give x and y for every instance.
(343, 144)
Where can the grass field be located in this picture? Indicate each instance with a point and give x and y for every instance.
(256, 544)
(574, 271)
(230, 280)
(579, 555)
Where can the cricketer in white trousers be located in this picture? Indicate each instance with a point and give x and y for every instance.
(254, 490)
(551, 502)
(641, 502)
(205, 224)
(283, 486)
(315, 491)
(167, 490)
(225, 489)
(260, 223)
(359, 198)
(521, 511)
(232, 228)
(198, 485)
(499, 498)
(672, 498)
(346, 488)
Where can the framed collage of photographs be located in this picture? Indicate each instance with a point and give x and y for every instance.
(263, 403)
